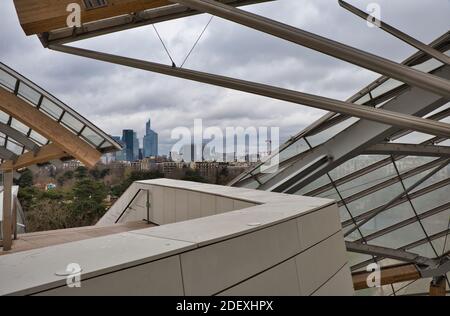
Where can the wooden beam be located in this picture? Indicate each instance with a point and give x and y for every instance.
(39, 16)
(438, 288)
(45, 154)
(52, 130)
(6, 218)
(389, 275)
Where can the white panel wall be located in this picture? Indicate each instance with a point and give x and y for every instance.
(211, 269)
(162, 277)
(319, 263)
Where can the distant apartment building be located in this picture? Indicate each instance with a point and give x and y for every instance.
(150, 141)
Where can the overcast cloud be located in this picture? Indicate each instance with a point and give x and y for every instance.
(116, 97)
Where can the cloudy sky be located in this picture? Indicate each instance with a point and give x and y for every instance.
(116, 97)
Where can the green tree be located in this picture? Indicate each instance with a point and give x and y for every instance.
(26, 179)
(135, 176)
(88, 201)
(81, 172)
(193, 175)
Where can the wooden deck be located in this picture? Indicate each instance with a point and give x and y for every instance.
(54, 237)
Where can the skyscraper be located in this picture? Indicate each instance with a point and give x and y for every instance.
(129, 138)
(150, 141)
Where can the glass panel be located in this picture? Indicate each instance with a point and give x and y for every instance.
(374, 200)
(431, 200)
(412, 162)
(363, 99)
(106, 144)
(389, 85)
(50, 108)
(14, 147)
(4, 118)
(388, 218)
(294, 149)
(19, 126)
(72, 122)
(367, 181)
(436, 223)
(413, 138)
(400, 237)
(424, 250)
(93, 137)
(325, 135)
(314, 185)
(330, 194)
(429, 65)
(7, 80)
(439, 244)
(29, 94)
(355, 164)
(38, 138)
(438, 176)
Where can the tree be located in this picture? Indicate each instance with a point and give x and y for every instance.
(81, 172)
(193, 175)
(88, 201)
(26, 179)
(135, 176)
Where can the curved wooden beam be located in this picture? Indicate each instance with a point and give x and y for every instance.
(52, 130)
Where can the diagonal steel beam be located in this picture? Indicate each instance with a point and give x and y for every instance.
(408, 149)
(350, 54)
(397, 33)
(373, 114)
(396, 254)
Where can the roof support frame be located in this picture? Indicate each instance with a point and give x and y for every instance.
(355, 138)
(32, 117)
(379, 115)
(404, 194)
(403, 199)
(19, 137)
(338, 50)
(398, 34)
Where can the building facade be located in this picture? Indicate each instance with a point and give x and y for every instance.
(150, 141)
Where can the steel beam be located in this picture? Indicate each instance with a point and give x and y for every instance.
(408, 150)
(354, 139)
(350, 54)
(19, 137)
(373, 114)
(397, 33)
(396, 254)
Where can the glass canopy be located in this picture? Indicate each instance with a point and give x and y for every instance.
(17, 138)
(387, 197)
